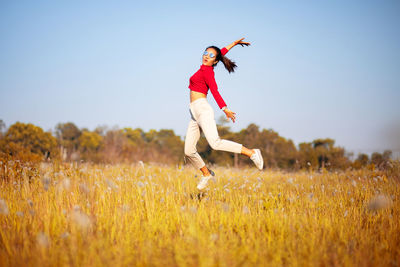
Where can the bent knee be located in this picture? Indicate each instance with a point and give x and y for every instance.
(215, 143)
(189, 151)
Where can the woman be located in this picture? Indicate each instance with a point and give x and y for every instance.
(202, 114)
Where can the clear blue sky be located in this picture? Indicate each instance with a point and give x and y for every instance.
(314, 69)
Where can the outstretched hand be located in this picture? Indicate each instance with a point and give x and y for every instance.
(230, 114)
(240, 42)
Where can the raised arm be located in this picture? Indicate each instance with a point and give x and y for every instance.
(229, 47)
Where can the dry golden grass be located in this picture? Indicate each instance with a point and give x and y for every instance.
(128, 215)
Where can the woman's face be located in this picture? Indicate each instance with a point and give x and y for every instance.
(209, 61)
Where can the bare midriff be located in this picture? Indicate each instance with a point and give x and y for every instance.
(196, 95)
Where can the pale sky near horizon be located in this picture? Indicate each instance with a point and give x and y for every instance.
(315, 69)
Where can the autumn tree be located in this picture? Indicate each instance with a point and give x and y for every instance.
(164, 145)
(89, 145)
(381, 160)
(116, 146)
(68, 136)
(307, 156)
(136, 146)
(323, 148)
(28, 142)
(278, 152)
(361, 161)
(322, 153)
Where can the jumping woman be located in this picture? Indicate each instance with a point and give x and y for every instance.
(202, 114)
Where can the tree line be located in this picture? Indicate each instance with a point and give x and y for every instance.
(27, 142)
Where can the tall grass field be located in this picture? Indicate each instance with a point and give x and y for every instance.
(153, 215)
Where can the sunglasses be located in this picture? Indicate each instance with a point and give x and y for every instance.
(211, 55)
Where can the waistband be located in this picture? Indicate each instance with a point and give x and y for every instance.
(198, 101)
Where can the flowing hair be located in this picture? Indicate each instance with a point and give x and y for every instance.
(229, 64)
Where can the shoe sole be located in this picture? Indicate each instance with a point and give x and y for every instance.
(262, 160)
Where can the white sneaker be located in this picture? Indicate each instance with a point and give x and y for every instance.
(204, 180)
(257, 159)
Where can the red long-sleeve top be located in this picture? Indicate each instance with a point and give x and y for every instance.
(204, 79)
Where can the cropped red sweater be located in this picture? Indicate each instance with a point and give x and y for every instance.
(204, 79)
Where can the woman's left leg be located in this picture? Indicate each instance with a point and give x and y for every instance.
(191, 139)
(209, 126)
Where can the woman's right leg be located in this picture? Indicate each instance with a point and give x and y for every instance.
(208, 124)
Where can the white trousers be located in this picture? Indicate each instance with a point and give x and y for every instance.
(202, 116)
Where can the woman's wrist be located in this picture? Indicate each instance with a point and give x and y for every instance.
(229, 47)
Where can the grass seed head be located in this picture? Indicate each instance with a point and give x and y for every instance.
(46, 182)
(379, 202)
(3, 207)
(43, 240)
(80, 219)
(84, 188)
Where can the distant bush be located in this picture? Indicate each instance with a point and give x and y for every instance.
(27, 142)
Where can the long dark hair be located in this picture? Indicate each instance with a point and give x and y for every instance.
(229, 64)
